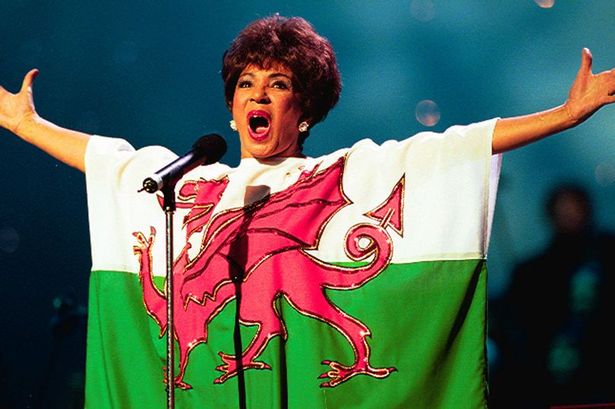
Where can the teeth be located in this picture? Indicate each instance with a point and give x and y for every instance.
(259, 124)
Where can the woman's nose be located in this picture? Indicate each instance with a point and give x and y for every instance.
(260, 96)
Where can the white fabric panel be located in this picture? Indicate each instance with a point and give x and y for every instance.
(450, 190)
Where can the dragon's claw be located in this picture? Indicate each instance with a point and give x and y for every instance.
(340, 373)
(182, 385)
(230, 367)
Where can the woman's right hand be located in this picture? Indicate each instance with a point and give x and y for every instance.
(19, 107)
(18, 115)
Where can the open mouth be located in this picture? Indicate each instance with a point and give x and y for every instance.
(259, 123)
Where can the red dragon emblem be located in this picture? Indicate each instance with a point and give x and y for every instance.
(247, 247)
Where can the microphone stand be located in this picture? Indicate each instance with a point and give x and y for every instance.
(208, 149)
(169, 207)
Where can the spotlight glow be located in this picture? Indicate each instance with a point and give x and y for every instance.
(427, 112)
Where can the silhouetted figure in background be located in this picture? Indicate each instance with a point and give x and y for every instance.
(62, 380)
(555, 334)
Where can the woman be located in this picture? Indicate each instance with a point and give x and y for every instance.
(383, 245)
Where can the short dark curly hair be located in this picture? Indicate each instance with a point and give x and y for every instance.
(293, 43)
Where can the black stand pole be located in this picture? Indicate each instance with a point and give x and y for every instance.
(208, 149)
(169, 209)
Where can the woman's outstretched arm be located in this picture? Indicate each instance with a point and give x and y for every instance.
(18, 115)
(588, 93)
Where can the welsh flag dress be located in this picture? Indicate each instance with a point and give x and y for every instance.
(352, 280)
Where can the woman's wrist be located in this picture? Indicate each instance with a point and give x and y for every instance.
(27, 125)
(574, 118)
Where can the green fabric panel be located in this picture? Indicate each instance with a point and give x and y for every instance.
(427, 320)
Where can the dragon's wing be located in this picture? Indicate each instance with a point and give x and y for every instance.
(286, 220)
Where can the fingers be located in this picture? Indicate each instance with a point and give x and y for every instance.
(28, 80)
(586, 61)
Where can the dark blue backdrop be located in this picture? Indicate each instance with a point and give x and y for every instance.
(149, 71)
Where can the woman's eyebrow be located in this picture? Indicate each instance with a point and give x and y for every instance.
(272, 75)
(279, 74)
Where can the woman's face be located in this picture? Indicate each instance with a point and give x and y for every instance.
(267, 112)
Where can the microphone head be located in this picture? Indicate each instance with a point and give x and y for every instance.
(211, 147)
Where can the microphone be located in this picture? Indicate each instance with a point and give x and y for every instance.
(206, 150)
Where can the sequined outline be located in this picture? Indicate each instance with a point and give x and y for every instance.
(400, 185)
(366, 252)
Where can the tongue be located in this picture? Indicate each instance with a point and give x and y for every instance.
(261, 129)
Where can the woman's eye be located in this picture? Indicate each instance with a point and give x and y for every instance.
(280, 85)
(244, 84)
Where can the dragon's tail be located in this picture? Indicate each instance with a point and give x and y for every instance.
(363, 241)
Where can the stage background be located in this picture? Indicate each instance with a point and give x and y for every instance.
(149, 71)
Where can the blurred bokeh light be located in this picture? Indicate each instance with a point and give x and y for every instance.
(545, 4)
(427, 112)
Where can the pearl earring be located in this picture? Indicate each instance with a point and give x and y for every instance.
(232, 124)
(303, 126)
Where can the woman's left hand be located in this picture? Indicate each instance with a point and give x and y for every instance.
(589, 92)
